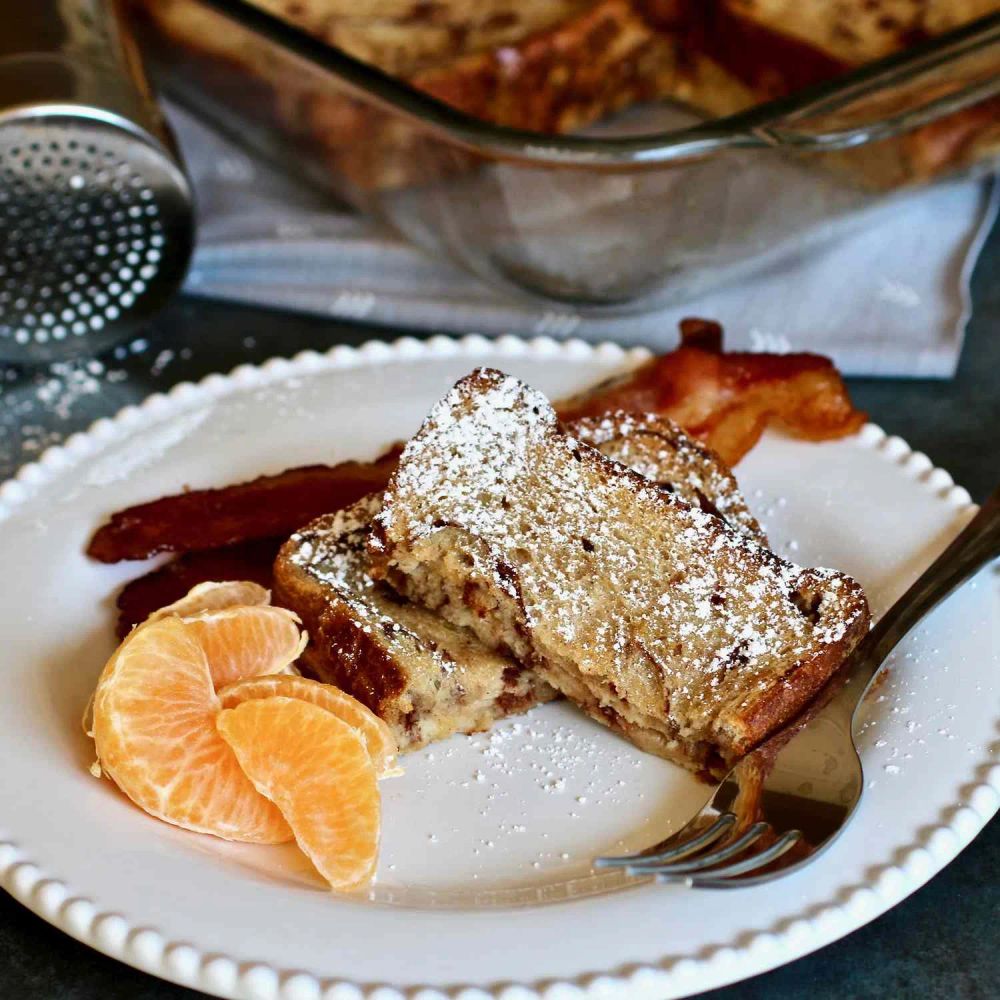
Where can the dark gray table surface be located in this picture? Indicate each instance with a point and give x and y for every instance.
(940, 943)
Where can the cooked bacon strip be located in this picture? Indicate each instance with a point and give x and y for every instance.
(727, 399)
(268, 507)
(246, 561)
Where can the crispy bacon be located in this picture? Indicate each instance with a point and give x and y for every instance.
(727, 399)
(245, 561)
(267, 507)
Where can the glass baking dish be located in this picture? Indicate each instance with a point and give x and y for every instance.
(653, 205)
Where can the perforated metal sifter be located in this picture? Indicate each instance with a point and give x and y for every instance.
(96, 218)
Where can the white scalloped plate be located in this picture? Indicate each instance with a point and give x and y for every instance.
(484, 885)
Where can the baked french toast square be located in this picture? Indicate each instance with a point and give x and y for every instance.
(653, 615)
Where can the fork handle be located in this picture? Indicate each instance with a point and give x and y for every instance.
(976, 545)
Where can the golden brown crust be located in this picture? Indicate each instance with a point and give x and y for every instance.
(602, 59)
(366, 673)
(758, 50)
(356, 662)
(403, 37)
(761, 716)
(589, 60)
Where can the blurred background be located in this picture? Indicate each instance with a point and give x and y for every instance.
(591, 168)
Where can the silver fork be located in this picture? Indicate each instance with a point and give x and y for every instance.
(783, 804)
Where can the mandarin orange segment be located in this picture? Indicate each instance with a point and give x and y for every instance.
(154, 726)
(316, 769)
(215, 596)
(247, 641)
(240, 640)
(376, 734)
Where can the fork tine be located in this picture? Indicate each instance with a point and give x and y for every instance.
(682, 850)
(725, 877)
(703, 860)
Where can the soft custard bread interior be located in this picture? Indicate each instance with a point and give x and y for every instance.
(423, 675)
(652, 614)
(426, 677)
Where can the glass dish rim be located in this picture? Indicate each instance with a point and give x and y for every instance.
(772, 125)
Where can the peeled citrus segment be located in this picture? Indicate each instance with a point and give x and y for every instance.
(316, 769)
(377, 736)
(230, 658)
(154, 725)
(215, 596)
(247, 641)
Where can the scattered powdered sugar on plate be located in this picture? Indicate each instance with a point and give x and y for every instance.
(64, 383)
(40, 407)
(893, 735)
(541, 794)
(31, 401)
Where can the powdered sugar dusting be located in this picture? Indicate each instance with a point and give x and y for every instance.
(675, 626)
(540, 795)
(40, 408)
(892, 736)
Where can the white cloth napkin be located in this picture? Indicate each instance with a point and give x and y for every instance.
(888, 296)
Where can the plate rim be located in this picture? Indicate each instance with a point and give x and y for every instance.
(139, 944)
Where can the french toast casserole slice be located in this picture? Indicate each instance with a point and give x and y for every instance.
(424, 675)
(653, 615)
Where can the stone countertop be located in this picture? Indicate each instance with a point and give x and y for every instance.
(939, 943)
